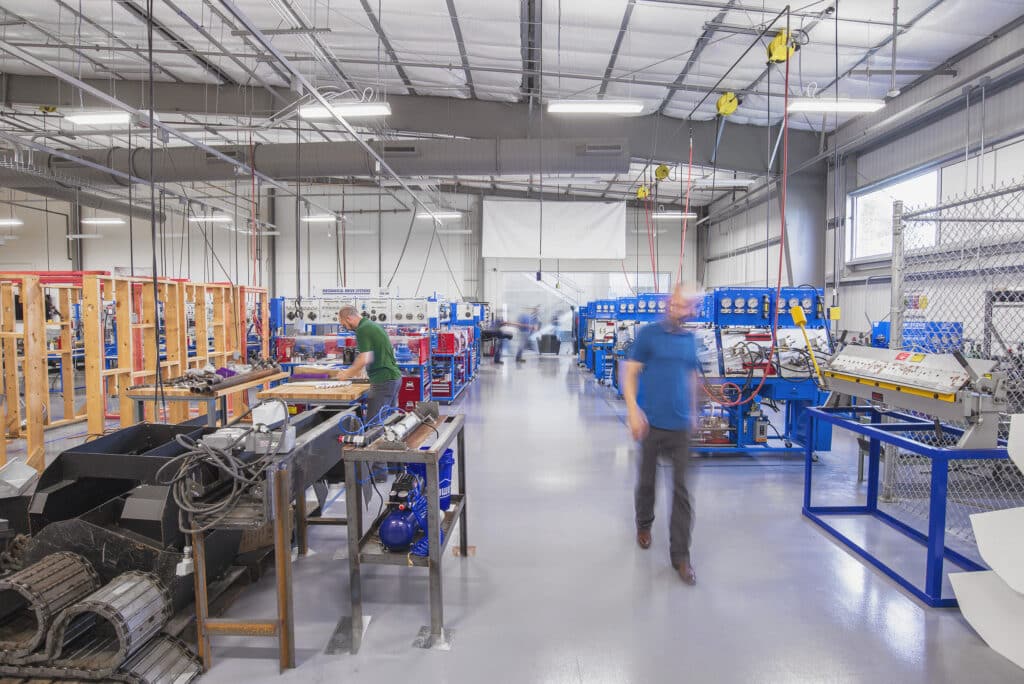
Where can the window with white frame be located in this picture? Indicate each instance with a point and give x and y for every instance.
(870, 234)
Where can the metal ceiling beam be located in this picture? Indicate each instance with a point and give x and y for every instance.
(702, 42)
(387, 46)
(531, 17)
(623, 27)
(138, 52)
(462, 46)
(318, 45)
(286, 32)
(143, 16)
(295, 58)
(201, 30)
(757, 9)
(741, 150)
(224, 19)
(60, 43)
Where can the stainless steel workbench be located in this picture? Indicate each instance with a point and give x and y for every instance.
(365, 547)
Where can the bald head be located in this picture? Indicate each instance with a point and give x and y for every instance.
(349, 317)
(682, 304)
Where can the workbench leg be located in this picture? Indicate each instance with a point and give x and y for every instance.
(224, 411)
(936, 528)
(202, 599)
(301, 524)
(283, 567)
(463, 532)
(355, 531)
(808, 471)
(874, 459)
(436, 556)
(140, 411)
(211, 413)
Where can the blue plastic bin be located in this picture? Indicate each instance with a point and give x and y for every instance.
(444, 475)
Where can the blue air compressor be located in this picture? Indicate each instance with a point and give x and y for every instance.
(408, 503)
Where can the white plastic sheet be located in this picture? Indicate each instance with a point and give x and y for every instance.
(561, 230)
(1000, 536)
(995, 611)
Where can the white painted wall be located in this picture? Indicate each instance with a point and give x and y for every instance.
(373, 244)
(41, 243)
(181, 253)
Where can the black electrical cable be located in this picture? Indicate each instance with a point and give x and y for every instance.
(152, 216)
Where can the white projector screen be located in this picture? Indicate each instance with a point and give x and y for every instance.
(571, 230)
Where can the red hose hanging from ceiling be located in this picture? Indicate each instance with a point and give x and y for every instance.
(682, 239)
(782, 247)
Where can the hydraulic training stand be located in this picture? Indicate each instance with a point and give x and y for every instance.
(365, 548)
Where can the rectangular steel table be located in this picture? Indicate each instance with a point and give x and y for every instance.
(365, 547)
(935, 539)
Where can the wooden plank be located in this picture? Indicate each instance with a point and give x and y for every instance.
(293, 391)
(67, 364)
(122, 292)
(92, 330)
(12, 426)
(227, 391)
(34, 369)
(174, 342)
(202, 309)
(150, 342)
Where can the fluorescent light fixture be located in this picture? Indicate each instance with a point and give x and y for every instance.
(11, 222)
(825, 105)
(724, 184)
(667, 215)
(84, 236)
(446, 214)
(595, 107)
(347, 110)
(99, 221)
(454, 231)
(326, 218)
(218, 218)
(98, 118)
(359, 232)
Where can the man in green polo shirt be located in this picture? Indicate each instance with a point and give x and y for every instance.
(377, 356)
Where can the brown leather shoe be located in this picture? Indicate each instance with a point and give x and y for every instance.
(687, 574)
(643, 538)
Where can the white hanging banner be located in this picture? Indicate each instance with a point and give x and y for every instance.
(571, 230)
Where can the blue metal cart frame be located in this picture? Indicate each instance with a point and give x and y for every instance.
(889, 433)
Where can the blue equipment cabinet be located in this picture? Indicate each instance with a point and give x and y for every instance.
(932, 337)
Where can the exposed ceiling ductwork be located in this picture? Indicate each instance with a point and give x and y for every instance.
(90, 200)
(318, 160)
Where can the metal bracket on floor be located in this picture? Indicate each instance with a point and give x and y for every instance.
(433, 642)
(341, 640)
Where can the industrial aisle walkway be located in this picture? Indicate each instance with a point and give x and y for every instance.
(559, 592)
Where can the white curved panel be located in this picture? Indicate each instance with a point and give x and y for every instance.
(995, 611)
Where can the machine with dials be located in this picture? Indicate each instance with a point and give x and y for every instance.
(944, 386)
(409, 311)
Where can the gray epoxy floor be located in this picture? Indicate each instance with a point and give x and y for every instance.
(558, 591)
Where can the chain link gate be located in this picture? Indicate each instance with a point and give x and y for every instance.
(962, 276)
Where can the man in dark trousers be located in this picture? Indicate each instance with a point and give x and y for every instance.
(377, 356)
(659, 384)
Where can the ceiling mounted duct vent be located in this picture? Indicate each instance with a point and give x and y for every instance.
(400, 151)
(591, 150)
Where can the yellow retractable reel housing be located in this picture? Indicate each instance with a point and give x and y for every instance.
(781, 48)
(642, 192)
(662, 172)
(727, 104)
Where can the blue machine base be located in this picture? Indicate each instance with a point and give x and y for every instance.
(935, 540)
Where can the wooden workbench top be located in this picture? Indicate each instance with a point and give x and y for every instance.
(184, 392)
(308, 391)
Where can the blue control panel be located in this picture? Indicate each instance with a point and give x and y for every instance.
(744, 306)
(605, 308)
(626, 309)
(811, 300)
(931, 337)
(651, 306)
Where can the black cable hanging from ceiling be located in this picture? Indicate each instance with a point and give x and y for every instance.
(162, 406)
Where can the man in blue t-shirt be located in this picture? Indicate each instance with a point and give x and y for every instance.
(659, 384)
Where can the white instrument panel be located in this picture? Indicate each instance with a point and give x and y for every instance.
(940, 373)
(409, 311)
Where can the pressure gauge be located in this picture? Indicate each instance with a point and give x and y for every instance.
(622, 306)
(806, 303)
(726, 302)
(752, 303)
(642, 305)
(661, 305)
(793, 301)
